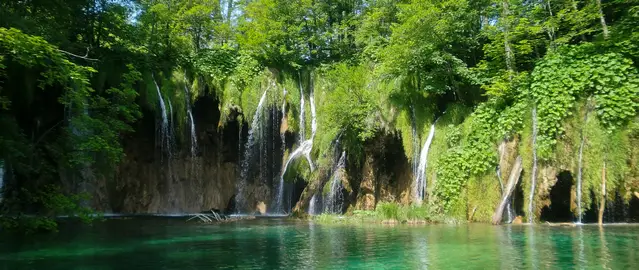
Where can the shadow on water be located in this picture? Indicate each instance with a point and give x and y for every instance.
(170, 243)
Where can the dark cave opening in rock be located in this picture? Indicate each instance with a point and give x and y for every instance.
(616, 210)
(633, 209)
(559, 208)
(517, 198)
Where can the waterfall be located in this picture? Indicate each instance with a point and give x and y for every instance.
(580, 170)
(335, 197)
(579, 178)
(313, 126)
(420, 178)
(304, 148)
(1, 179)
(311, 205)
(193, 136)
(533, 179)
(415, 139)
(171, 127)
(164, 130)
(302, 119)
(190, 119)
(256, 126)
(283, 132)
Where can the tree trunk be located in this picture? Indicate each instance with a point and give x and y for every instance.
(510, 187)
(604, 26)
(229, 11)
(507, 49)
(602, 202)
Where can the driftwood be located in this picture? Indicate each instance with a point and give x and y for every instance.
(510, 187)
(214, 217)
(561, 224)
(602, 203)
(202, 217)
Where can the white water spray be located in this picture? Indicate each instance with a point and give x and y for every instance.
(302, 114)
(420, 178)
(255, 128)
(335, 197)
(164, 130)
(1, 179)
(191, 121)
(580, 171)
(193, 136)
(311, 205)
(415, 139)
(533, 179)
(283, 132)
(304, 148)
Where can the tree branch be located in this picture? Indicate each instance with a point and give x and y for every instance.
(77, 56)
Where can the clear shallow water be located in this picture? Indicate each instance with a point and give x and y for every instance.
(274, 243)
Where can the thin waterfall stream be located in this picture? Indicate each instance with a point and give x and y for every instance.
(164, 129)
(533, 179)
(190, 119)
(335, 196)
(304, 148)
(580, 171)
(312, 205)
(302, 116)
(415, 141)
(420, 178)
(256, 127)
(1, 179)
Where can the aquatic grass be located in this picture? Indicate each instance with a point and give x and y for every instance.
(384, 212)
(388, 210)
(416, 213)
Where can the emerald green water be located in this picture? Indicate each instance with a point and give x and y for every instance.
(170, 243)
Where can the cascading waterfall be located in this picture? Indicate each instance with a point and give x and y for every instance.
(255, 128)
(580, 171)
(302, 115)
(335, 197)
(312, 205)
(283, 132)
(193, 136)
(533, 179)
(420, 178)
(190, 119)
(1, 179)
(304, 148)
(171, 128)
(164, 130)
(415, 138)
(313, 127)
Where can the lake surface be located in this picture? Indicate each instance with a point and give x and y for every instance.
(276, 243)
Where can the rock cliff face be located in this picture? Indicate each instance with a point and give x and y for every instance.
(383, 174)
(386, 173)
(152, 181)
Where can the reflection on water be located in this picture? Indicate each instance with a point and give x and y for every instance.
(170, 243)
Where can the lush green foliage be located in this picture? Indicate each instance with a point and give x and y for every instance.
(577, 72)
(376, 68)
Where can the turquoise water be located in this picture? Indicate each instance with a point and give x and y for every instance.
(170, 243)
